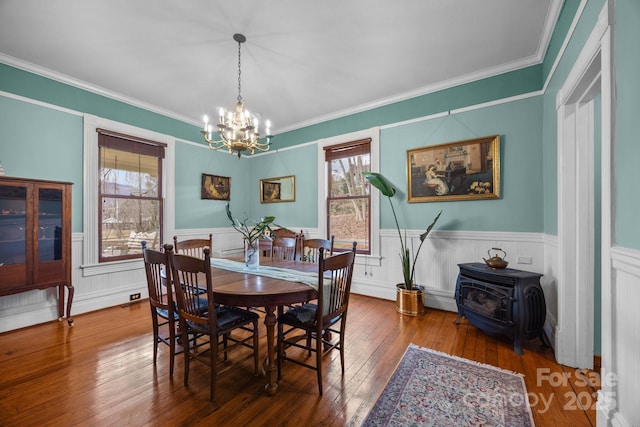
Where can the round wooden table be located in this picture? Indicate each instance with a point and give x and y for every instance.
(252, 290)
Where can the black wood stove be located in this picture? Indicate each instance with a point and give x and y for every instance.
(502, 301)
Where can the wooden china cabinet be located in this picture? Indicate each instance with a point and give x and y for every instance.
(35, 238)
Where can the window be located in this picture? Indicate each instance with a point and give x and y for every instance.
(91, 219)
(348, 199)
(129, 195)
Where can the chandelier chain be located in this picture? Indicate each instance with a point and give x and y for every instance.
(239, 74)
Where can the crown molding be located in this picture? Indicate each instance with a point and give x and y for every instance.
(63, 78)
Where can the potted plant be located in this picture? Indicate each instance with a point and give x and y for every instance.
(409, 296)
(252, 231)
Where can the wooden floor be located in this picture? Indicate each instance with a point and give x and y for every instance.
(101, 373)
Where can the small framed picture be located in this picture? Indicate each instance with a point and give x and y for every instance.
(215, 187)
(463, 170)
(278, 189)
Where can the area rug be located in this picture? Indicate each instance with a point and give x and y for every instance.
(429, 388)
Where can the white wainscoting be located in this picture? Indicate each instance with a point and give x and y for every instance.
(437, 266)
(436, 269)
(624, 363)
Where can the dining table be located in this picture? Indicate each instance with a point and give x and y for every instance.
(275, 283)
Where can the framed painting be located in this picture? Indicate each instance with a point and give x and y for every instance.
(279, 189)
(215, 187)
(462, 170)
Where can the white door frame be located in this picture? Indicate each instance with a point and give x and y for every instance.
(591, 74)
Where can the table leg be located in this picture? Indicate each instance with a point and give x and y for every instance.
(270, 321)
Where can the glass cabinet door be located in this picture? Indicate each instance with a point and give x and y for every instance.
(49, 226)
(13, 225)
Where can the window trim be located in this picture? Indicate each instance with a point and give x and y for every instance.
(374, 135)
(91, 265)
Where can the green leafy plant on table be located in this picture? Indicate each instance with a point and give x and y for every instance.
(252, 230)
(408, 263)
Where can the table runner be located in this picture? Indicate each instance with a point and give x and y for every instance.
(310, 279)
(304, 313)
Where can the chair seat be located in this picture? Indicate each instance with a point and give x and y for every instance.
(228, 318)
(165, 313)
(203, 306)
(303, 314)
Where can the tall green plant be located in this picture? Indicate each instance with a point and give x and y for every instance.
(408, 263)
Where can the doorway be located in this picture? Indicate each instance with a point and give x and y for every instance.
(589, 81)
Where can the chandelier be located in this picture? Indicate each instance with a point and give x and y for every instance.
(237, 129)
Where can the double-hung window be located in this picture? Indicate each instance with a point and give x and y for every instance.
(130, 195)
(348, 199)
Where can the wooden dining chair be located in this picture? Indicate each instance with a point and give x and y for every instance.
(217, 323)
(285, 232)
(265, 246)
(192, 247)
(310, 249)
(317, 322)
(284, 248)
(163, 310)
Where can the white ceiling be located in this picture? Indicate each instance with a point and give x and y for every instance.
(304, 61)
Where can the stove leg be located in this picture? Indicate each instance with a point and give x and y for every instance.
(457, 321)
(517, 345)
(544, 340)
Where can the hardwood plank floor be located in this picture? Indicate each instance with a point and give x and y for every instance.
(101, 373)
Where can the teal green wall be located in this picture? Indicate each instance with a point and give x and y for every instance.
(38, 142)
(519, 124)
(567, 14)
(627, 92)
(192, 211)
(627, 145)
(36, 87)
(520, 207)
(550, 122)
(494, 88)
(300, 162)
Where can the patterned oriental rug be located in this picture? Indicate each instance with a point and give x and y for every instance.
(429, 388)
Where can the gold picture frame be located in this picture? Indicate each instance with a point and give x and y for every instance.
(462, 170)
(278, 189)
(215, 187)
